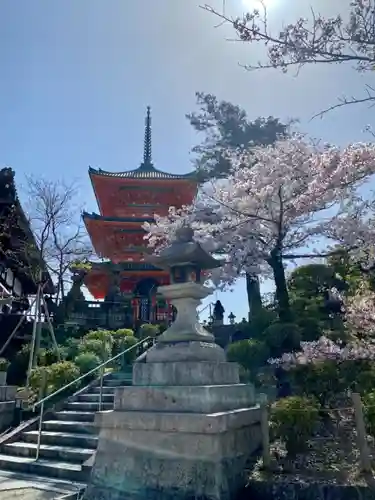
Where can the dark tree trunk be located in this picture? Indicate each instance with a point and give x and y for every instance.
(253, 295)
(282, 295)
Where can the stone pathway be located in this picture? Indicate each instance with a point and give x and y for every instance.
(27, 494)
(28, 487)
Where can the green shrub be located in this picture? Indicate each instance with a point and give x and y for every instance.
(259, 322)
(148, 330)
(130, 356)
(4, 365)
(122, 332)
(328, 379)
(293, 420)
(99, 347)
(39, 380)
(282, 337)
(310, 328)
(320, 380)
(61, 374)
(70, 349)
(369, 412)
(248, 353)
(87, 361)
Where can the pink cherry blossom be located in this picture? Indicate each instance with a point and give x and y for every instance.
(285, 197)
(325, 349)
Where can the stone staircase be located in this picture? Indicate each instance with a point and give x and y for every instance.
(68, 438)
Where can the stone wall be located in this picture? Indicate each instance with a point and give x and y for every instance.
(7, 406)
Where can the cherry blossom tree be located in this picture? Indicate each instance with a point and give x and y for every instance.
(278, 200)
(347, 38)
(325, 349)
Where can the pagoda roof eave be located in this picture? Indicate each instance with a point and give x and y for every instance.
(98, 217)
(144, 172)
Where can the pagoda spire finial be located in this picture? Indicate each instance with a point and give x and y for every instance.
(147, 152)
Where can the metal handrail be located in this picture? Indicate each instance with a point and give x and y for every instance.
(94, 370)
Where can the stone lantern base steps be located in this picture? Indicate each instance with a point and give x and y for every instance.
(69, 437)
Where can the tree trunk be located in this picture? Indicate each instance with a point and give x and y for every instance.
(253, 295)
(282, 295)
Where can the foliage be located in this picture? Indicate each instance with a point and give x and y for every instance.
(360, 311)
(126, 343)
(55, 376)
(105, 336)
(87, 361)
(226, 125)
(4, 365)
(250, 354)
(122, 332)
(96, 346)
(148, 330)
(369, 412)
(39, 379)
(273, 204)
(281, 337)
(259, 322)
(293, 420)
(337, 40)
(70, 348)
(313, 279)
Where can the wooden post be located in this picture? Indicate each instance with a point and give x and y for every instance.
(361, 433)
(264, 425)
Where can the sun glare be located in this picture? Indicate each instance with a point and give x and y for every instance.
(259, 4)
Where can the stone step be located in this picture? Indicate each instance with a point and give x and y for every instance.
(107, 389)
(116, 382)
(41, 467)
(88, 441)
(75, 416)
(69, 426)
(95, 398)
(87, 406)
(47, 451)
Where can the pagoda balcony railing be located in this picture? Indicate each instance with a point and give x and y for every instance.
(115, 314)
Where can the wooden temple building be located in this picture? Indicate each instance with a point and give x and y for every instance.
(20, 261)
(123, 283)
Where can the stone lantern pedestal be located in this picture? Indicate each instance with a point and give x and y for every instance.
(186, 428)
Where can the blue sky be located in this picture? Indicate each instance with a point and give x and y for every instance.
(76, 77)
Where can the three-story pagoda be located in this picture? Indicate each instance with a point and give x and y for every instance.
(126, 200)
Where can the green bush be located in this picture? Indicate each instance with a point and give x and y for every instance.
(282, 337)
(61, 374)
(148, 330)
(53, 377)
(122, 332)
(293, 420)
(99, 347)
(4, 365)
(248, 353)
(259, 322)
(369, 412)
(39, 380)
(70, 349)
(87, 361)
(310, 328)
(130, 356)
(328, 379)
(320, 380)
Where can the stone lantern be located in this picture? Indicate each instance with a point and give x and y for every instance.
(231, 318)
(185, 339)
